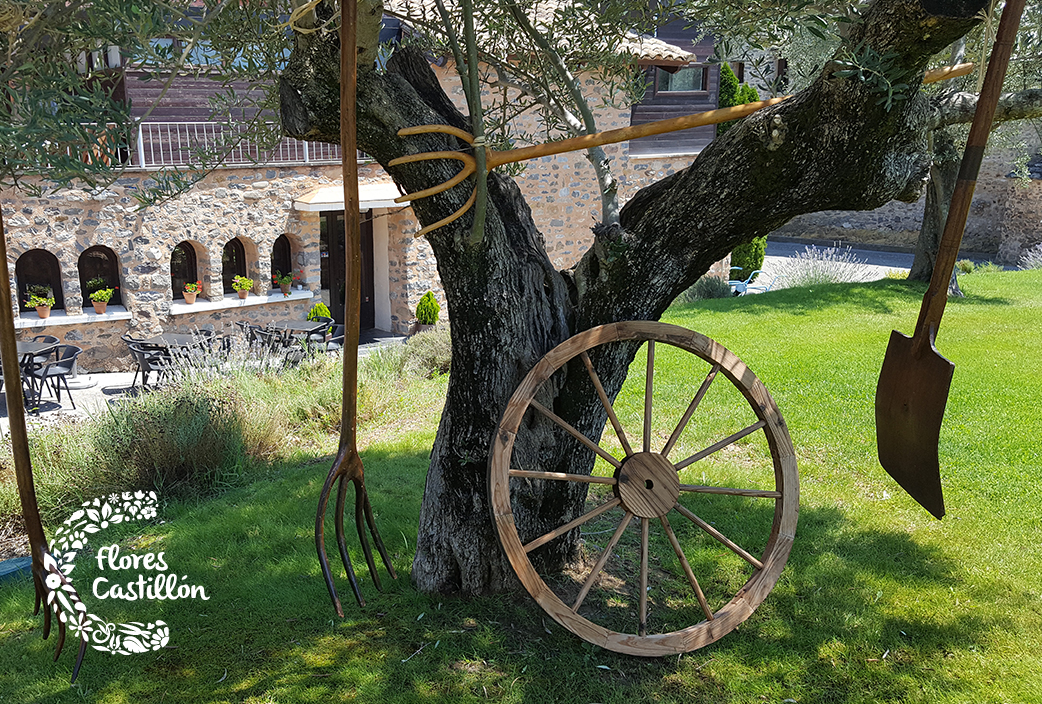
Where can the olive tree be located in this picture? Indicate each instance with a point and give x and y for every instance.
(850, 140)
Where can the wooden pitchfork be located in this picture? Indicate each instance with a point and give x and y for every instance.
(347, 467)
(586, 141)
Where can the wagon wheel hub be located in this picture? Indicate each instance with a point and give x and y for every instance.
(648, 484)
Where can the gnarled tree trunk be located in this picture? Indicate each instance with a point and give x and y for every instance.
(833, 146)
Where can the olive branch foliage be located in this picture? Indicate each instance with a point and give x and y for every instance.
(63, 120)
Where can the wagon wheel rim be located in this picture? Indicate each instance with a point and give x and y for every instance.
(646, 489)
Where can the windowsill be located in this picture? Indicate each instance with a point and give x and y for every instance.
(667, 155)
(29, 319)
(232, 300)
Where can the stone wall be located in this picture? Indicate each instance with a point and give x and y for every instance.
(252, 204)
(562, 190)
(1021, 226)
(1005, 218)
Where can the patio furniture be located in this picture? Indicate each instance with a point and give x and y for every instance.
(336, 342)
(149, 360)
(28, 354)
(281, 343)
(739, 287)
(54, 374)
(308, 333)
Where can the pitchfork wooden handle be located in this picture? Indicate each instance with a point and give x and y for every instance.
(586, 141)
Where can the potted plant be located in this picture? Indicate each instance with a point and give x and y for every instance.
(427, 311)
(192, 289)
(41, 304)
(100, 299)
(242, 285)
(284, 281)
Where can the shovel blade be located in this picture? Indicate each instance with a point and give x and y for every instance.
(910, 400)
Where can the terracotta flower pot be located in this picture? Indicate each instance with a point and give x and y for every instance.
(190, 296)
(285, 289)
(99, 306)
(43, 311)
(243, 294)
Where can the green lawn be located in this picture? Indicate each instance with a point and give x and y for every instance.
(879, 602)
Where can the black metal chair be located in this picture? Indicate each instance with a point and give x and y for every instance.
(336, 342)
(148, 361)
(54, 374)
(42, 359)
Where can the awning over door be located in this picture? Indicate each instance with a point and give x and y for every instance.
(370, 195)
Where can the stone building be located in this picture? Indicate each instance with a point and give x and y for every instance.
(283, 211)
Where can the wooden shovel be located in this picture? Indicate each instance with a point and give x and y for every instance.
(915, 378)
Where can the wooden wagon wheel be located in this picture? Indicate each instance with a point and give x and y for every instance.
(645, 484)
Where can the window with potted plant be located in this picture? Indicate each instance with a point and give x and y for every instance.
(242, 285)
(192, 289)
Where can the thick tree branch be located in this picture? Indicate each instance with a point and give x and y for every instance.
(958, 108)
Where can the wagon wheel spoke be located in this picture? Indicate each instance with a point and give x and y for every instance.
(642, 629)
(751, 493)
(607, 404)
(717, 446)
(603, 454)
(601, 561)
(574, 523)
(723, 539)
(687, 568)
(564, 477)
(648, 389)
(690, 410)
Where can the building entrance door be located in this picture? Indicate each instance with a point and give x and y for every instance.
(331, 247)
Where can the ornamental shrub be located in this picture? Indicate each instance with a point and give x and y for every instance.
(728, 86)
(1032, 258)
(749, 256)
(709, 286)
(732, 93)
(319, 310)
(427, 310)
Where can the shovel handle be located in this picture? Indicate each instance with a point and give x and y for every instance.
(937, 294)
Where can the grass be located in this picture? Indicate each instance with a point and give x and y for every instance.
(879, 602)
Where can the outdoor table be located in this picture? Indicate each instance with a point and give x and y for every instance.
(26, 348)
(298, 326)
(172, 339)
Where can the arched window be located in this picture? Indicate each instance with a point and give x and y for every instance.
(233, 263)
(99, 268)
(38, 272)
(281, 258)
(182, 268)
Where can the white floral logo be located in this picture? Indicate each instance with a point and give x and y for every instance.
(71, 537)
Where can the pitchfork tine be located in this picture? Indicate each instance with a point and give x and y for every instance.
(341, 494)
(376, 534)
(46, 621)
(61, 640)
(320, 543)
(79, 658)
(366, 550)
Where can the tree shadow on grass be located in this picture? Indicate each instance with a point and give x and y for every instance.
(268, 631)
(879, 297)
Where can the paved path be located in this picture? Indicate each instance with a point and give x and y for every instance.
(92, 392)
